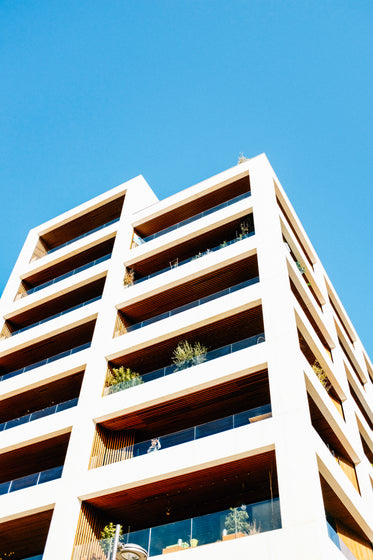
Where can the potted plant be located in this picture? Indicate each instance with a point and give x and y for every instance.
(244, 229)
(322, 377)
(187, 355)
(237, 524)
(129, 277)
(121, 378)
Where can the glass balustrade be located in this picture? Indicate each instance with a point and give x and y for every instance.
(195, 217)
(67, 274)
(177, 263)
(31, 480)
(212, 355)
(194, 433)
(56, 315)
(225, 525)
(333, 535)
(193, 304)
(45, 361)
(82, 236)
(38, 414)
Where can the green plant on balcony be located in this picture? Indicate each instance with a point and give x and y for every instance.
(186, 355)
(129, 277)
(223, 244)
(300, 267)
(107, 536)
(244, 229)
(321, 375)
(237, 521)
(121, 378)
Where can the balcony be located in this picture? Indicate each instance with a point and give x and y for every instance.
(220, 526)
(196, 414)
(33, 464)
(79, 227)
(190, 250)
(195, 217)
(346, 533)
(218, 338)
(24, 538)
(172, 368)
(30, 480)
(68, 274)
(193, 508)
(103, 226)
(186, 295)
(319, 372)
(332, 442)
(53, 308)
(194, 209)
(66, 268)
(38, 414)
(46, 351)
(184, 436)
(40, 401)
(303, 272)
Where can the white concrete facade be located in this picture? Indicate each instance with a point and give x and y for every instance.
(305, 330)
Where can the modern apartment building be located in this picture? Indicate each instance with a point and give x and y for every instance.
(183, 368)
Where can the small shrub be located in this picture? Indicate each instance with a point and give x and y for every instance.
(300, 267)
(186, 355)
(323, 378)
(107, 533)
(237, 521)
(129, 277)
(122, 377)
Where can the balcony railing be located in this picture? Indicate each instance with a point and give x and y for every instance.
(199, 255)
(55, 316)
(195, 303)
(31, 480)
(333, 535)
(212, 355)
(45, 361)
(232, 523)
(194, 433)
(38, 414)
(67, 274)
(82, 236)
(196, 217)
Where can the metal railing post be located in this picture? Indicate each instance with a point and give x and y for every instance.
(116, 541)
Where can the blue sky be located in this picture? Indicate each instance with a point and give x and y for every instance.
(96, 92)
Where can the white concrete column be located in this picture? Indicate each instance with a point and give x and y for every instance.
(298, 477)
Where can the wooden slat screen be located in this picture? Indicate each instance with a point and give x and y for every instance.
(111, 447)
(39, 251)
(120, 326)
(349, 469)
(88, 533)
(6, 332)
(361, 548)
(22, 291)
